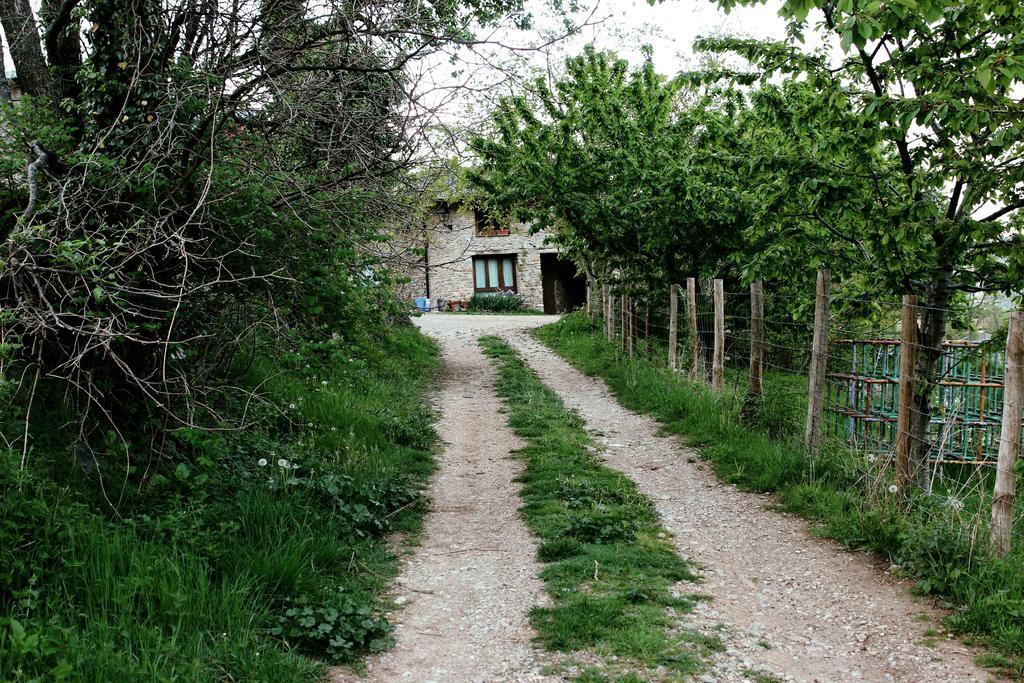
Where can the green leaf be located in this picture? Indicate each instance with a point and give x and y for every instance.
(846, 41)
(984, 76)
(17, 630)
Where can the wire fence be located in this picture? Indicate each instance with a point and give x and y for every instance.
(847, 386)
(861, 391)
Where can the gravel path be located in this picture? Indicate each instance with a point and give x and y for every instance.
(465, 593)
(785, 603)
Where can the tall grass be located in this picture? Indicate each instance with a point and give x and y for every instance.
(938, 539)
(223, 564)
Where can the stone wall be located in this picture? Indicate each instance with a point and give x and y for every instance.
(454, 243)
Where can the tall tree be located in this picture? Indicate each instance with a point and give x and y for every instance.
(614, 163)
(921, 115)
(19, 24)
(199, 170)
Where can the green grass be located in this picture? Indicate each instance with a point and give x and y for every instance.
(938, 544)
(220, 566)
(614, 579)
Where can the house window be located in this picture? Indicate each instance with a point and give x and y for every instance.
(486, 226)
(494, 273)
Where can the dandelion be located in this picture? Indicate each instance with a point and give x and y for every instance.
(334, 429)
(310, 425)
(292, 406)
(262, 462)
(282, 463)
(324, 382)
(893, 488)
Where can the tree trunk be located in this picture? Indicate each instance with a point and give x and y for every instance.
(934, 315)
(63, 46)
(19, 24)
(5, 86)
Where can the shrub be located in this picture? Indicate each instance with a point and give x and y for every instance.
(503, 302)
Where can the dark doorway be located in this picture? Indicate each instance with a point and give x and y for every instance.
(564, 288)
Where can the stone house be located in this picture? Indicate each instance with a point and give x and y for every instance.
(467, 253)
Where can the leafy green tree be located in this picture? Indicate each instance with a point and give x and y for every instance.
(185, 180)
(613, 162)
(910, 149)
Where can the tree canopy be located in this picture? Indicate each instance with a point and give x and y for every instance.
(617, 163)
(900, 165)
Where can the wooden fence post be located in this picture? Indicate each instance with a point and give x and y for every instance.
(590, 296)
(624, 322)
(647, 329)
(905, 409)
(691, 311)
(718, 364)
(819, 365)
(673, 326)
(1004, 496)
(631, 340)
(754, 387)
(609, 314)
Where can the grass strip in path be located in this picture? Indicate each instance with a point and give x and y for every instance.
(610, 569)
(931, 538)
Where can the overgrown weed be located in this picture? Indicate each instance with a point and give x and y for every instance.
(253, 555)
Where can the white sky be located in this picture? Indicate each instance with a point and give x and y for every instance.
(671, 27)
(462, 92)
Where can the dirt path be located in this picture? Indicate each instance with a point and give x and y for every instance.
(467, 590)
(789, 603)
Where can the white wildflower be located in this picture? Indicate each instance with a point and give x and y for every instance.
(262, 462)
(871, 457)
(893, 488)
(955, 503)
(324, 383)
(282, 463)
(292, 406)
